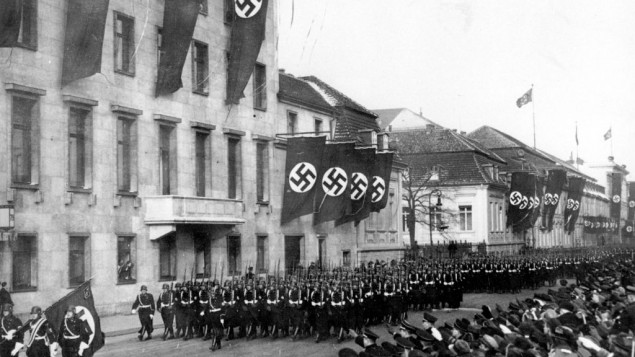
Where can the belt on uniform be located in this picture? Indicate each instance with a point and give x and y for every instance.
(337, 303)
(272, 302)
(317, 303)
(71, 337)
(38, 338)
(248, 302)
(143, 307)
(215, 310)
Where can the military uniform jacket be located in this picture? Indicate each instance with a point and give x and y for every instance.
(144, 303)
(165, 300)
(10, 325)
(74, 331)
(40, 330)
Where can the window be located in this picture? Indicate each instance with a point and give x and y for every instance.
(233, 255)
(204, 7)
(25, 262)
(500, 218)
(79, 147)
(159, 45)
(261, 254)
(126, 254)
(233, 168)
(346, 258)
(228, 10)
(203, 255)
(203, 164)
(321, 253)
(27, 37)
(167, 258)
(292, 123)
(24, 140)
(436, 217)
(465, 218)
(200, 68)
(124, 44)
(318, 126)
(262, 171)
(260, 86)
(78, 259)
(167, 159)
(126, 154)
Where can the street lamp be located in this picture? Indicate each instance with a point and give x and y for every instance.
(438, 205)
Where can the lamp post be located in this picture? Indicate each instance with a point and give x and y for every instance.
(439, 204)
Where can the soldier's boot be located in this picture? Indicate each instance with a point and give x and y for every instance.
(318, 338)
(213, 346)
(165, 334)
(208, 335)
(218, 339)
(274, 332)
(171, 332)
(295, 333)
(340, 336)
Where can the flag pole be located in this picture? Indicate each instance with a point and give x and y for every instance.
(533, 112)
(577, 147)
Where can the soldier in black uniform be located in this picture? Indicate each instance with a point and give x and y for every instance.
(11, 336)
(5, 296)
(144, 306)
(295, 310)
(165, 305)
(41, 335)
(229, 315)
(203, 298)
(319, 302)
(213, 322)
(74, 334)
(250, 311)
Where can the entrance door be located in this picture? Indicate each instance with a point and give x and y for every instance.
(292, 253)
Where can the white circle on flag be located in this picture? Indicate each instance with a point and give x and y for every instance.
(359, 185)
(616, 198)
(631, 204)
(524, 203)
(85, 315)
(515, 198)
(334, 181)
(548, 198)
(576, 205)
(247, 8)
(629, 229)
(302, 177)
(379, 189)
(570, 203)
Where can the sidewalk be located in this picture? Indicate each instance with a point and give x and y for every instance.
(117, 325)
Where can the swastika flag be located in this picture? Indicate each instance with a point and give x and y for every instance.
(332, 196)
(302, 173)
(553, 192)
(380, 186)
(360, 185)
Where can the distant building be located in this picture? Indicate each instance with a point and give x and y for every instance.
(399, 119)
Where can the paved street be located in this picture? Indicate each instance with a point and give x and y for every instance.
(127, 345)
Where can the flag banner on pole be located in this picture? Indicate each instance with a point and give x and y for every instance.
(248, 32)
(179, 21)
(574, 199)
(555, 182)
(83, 39)
(518, 201)
(82, 299)
(525, 99)
(10, 21)
(529, 192)
(302, 172)
(627, 231)
(538, 204)
(332, 196)
(631, 201)
(363, 170)
(616, 196)
(380, 188)
(608, 134)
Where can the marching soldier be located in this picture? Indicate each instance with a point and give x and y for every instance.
(295, 310)
(74, 334)
(250, 311)
(41, 336)
(214, 325)
(203, 299)
(165, 304)
(144, 305)
(319, 303)
(229, 314)
(11, 334)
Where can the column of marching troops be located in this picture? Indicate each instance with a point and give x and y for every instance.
(308, 302)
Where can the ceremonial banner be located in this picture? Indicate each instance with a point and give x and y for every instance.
(302, 171)
(616, 196)
(553, 191)
(82, 299)
(360, 185)
(526, 98)
(332, 196)
(10, 22)
(518, 201)
(572, 210)
(631, 201)
(627, 231)
(179, 21)
(527, 213)
(538, 194)
(248, 32)
(83, 39)
(380, 186)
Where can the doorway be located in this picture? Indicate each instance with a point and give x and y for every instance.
(292, 253)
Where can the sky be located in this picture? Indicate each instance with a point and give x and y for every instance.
(463, 64)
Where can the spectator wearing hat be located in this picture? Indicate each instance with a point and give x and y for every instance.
(144, 306)
(368, 341)
(5, 296)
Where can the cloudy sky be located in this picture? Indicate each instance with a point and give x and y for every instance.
(463, 64)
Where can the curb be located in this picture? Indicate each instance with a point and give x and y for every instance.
(129, 331)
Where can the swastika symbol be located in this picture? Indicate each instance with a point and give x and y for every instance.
(302, 177)
(616, 198)
(379, 189)
(629, 229)
(515, 198)
(570, 203)
(247, 8)
(524, 203)
(536, 201)
(576, 205)
(556, 199)
(548, 198)
(334, 181)
(358, 186)
(631, 204)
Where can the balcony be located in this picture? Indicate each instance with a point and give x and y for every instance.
(163, 213)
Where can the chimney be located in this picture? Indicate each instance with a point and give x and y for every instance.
(281, 70)
(454, 130)
(463, 133)
(382, 141)
(368, 137)
(611, 158)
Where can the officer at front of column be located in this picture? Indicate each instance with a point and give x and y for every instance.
(74, 334)
(10, 335)
(144, 305)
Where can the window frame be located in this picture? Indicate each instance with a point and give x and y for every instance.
(133, 157)
(203, 179)
(260, 80)
(169, 132)
(263, 172)
(229, 15)
(33, 264)
(169, 242)
(87, 148)
(196, 66)
(234, 182)
(131, 70)
(466, 223)
(318, 126)
(292, 129)
(132, 238)
(85, 238)
(236, 260)
(261, 259)
(33, 42)
(33, 146)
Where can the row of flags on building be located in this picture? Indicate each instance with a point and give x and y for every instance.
(334, 182)
(86, 24)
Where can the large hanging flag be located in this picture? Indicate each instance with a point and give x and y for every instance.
(248, 32)
(525, 99)
(83, 39)
(627, 231)
(10, 22)
(302, 172)
(360, 185)
(631, 201)
(380, 187)
(555, 182)
(332, 196)
(179, 21)
(82, 299)
(538, 204)
(518, 201)
(527, 213)
(574, 199)
(616, 196)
